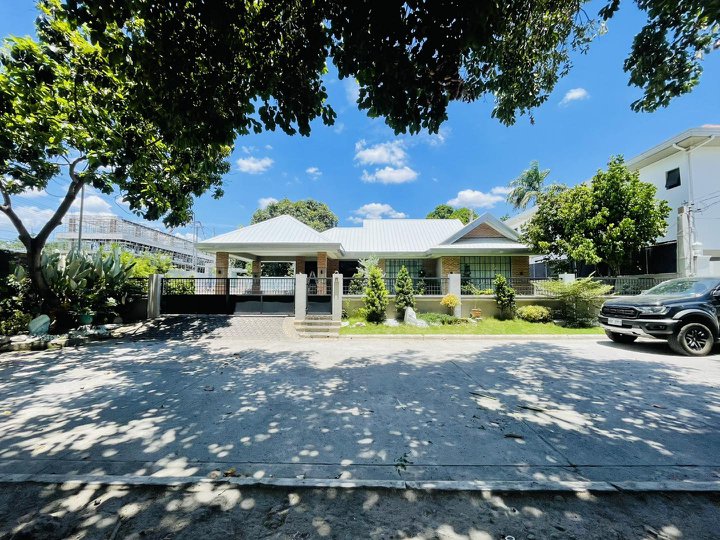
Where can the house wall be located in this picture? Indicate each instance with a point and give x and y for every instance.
(520, 266)
(449, 265)
(705, 165)
(484, 231)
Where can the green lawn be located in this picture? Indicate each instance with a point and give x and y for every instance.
(488, 326)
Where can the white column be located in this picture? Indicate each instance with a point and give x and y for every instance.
(154, 295)
(300, 296)
(337, 295)
(454, 282)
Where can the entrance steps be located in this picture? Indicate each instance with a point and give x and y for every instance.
(318, 326)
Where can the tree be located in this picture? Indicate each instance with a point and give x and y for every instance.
(66, 112)
(312, 213)
(376, 296)
(504, 297)
(210, 68)
(604, 222)
(528, 186)
(146, 264)
(445, 211)
(404, 297)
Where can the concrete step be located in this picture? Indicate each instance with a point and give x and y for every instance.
(314, 322)
(318, 317)
(314, 335)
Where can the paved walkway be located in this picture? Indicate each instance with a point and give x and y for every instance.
(212, 403)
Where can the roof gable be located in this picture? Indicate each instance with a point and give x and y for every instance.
(486, 226)
(278, 230)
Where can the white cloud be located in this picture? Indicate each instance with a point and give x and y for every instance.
(387, 153)
(33, 194)
(471, 198)
(186, 235)
(352, 90)
(339, 128)
(254, 165)
(94, 204)
(265, 202)
(574, 94)
(376, 211)
(33, 218)
(501, 190)
(390, 175)
(314, 172)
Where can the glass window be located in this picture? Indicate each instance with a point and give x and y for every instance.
(480, 271)
(672, 179)
(392, 267)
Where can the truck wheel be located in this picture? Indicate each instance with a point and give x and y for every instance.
(620, 338)
(693, 339)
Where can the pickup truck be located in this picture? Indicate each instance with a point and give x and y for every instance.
(683, 311)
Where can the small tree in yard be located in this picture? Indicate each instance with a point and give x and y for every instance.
(376, 296)
(404, 297)
(504, 297)
(579, 300)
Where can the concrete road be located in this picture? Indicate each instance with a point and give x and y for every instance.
(204, 400)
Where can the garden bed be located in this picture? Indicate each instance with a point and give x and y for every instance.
(487, 326)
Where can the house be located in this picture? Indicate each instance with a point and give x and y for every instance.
(686, 171)
(431, 249)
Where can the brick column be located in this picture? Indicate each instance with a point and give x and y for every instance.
(256, 276)
(520, 272)
(322, 272)
(299, 265)
(222, 263)
(450, 265)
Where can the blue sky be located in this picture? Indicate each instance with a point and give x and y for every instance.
(361, 169)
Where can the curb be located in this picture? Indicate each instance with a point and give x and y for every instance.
(483, 337)
(309, 483)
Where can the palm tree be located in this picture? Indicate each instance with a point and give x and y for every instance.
(527, 187)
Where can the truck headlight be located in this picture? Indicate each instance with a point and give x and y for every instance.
(655, 310)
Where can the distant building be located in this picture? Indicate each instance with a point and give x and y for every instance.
(108, 230)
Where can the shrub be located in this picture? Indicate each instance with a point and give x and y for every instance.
(472, 290)
(534, 314)
(450, 301)
(579, 300)
(421, 285)
(357, 284)
(504, 297)
(14, 322)
(403, 292)
(376, 296)
(180, 286)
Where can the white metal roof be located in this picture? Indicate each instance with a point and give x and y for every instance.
(404, 236)
(703, 135)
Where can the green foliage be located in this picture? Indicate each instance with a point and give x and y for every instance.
(87, 282)
(504, 297)
(357, 284)
(15, 304)
(471, 290)
(146, 264)
(277, 269)
(376, 296)
(450, 301)
(420, 284)
(404, 297)
(445, 211)
(527, 187)
(180, 286)
(605, 221)
(536, 314)
(579, 300)
(435, 319)
(312, 213)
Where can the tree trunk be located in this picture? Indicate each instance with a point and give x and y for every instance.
(34, 256)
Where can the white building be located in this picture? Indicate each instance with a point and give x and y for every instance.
(686, 171)
(108, 230)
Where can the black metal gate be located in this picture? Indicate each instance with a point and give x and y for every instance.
(319, 296)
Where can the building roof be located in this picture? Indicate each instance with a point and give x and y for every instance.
(708, 134)
(404, 236)
(286, 236)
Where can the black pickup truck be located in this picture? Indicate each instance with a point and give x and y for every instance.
(684, 311)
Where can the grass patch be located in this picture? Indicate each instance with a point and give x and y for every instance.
(488, 326)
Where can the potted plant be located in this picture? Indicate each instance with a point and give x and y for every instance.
(450, 301)
(84, 315)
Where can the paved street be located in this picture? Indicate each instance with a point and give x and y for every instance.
(203, 400)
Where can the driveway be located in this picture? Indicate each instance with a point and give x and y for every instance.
(201, 403)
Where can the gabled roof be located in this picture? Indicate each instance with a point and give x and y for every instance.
(278, 232)
(485, 219)
(399, 236)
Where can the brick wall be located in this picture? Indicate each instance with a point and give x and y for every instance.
(322, 262)
(450, 265)
(256, 267)
(381, 265)
(484, 231)
(520, 266)
(299, 265)
(333, 265)
(222, 260)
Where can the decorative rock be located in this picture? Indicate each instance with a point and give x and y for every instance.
(39, 326)
(392, 322)
(360, 324)
(344, 323)
(412, 320)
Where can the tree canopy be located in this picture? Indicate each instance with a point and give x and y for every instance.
(604, 222)
(66, 112)
(311, 212)
(209, 68)
(445, 211)
(527, 187)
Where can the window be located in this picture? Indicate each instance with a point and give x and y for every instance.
(392, 267)
(672, 179)
(481, 271)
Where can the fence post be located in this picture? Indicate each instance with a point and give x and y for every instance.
(154, 295)
(300, 296)
(227, 296)
(454, 287)
(337, 294)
